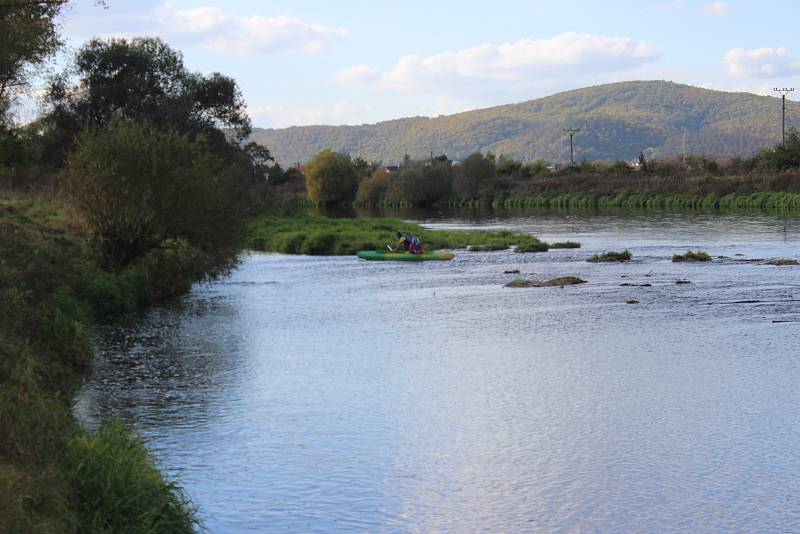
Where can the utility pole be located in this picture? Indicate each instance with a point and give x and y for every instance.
(571, 132)
(783, 91)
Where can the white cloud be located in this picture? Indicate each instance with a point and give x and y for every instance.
(761, 63)
(229, 33)
(343, 112)
(716, 9)
(520, 62)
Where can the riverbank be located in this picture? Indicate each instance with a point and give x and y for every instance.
(55, 475)
(324, 236)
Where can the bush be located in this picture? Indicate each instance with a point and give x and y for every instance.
(118, 488)
(474, 174)
(138, 186)
(331, 178)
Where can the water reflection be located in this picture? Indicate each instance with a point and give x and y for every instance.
(329, 394)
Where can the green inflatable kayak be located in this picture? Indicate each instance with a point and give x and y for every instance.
(377, 255)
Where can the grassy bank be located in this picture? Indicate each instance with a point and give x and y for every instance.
(322, 236)
(54, 475)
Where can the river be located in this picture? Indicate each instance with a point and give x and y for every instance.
(329, 394)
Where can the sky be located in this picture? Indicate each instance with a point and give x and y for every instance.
(303, 62)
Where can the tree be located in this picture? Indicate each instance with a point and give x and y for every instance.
(138, 186)
(143, 79)
(642, 162)
(372, 189)
(421, 183)
(30, 37)
(475, 173)
(331, 178)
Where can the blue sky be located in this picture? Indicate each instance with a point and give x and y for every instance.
(350, 62)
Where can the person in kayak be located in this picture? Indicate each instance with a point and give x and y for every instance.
(408, 243)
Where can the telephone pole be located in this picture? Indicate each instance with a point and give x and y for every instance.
(783, 91)
(571, 132)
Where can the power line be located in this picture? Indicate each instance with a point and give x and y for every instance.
(783, 91)
(571, 132)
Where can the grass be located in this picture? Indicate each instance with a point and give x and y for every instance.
(323, 236)
(52, 289)
(691, 257)
(625, 255)
(565, 244)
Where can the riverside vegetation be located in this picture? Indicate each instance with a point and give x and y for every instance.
(106, 206)
(768, 180)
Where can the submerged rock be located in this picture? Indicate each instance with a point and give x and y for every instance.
(783, 261)
(632, 301)
(682, 281)
(562, 281)
(512, 271)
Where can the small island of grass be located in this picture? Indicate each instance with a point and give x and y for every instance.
(691, 257)
(625, 255)
(324, 236)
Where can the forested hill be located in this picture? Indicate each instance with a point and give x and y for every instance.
(618, 121)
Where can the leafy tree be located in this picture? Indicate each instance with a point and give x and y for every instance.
(362, 167)
(142, 79)
(474, 173)
(139, 186)
(372, 189)
(331, 178)
(507, 166)
(642, 162)
(422, 183)
(30, 37)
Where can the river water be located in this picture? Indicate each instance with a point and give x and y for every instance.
(329, 394)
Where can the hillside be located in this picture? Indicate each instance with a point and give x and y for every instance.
(618, 120)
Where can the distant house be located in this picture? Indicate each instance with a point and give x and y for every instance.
(392, 168)
(301, 168)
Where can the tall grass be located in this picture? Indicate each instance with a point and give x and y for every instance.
(118, 489)
(314, 235)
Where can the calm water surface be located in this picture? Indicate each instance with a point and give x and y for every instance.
(310, 394)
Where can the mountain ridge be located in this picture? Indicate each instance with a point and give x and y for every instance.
(618, 121)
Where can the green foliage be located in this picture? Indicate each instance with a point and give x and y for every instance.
(138, 187)
(565, 244)
(53, 476)
(625, 255)
(420, 183)
(331, 178)
(372, 189)
(691, 256)
(118, 488)
(785, 155)
(324, 236)
(473, 175)
(30, 36)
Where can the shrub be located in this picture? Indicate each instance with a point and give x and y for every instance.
(331, 178)
(138, 186)
(565, 244)
(475, 173)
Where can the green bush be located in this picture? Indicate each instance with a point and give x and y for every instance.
(118, 488)
(138, 186)
(691, 256)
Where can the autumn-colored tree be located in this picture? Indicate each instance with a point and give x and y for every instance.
(331, 178)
